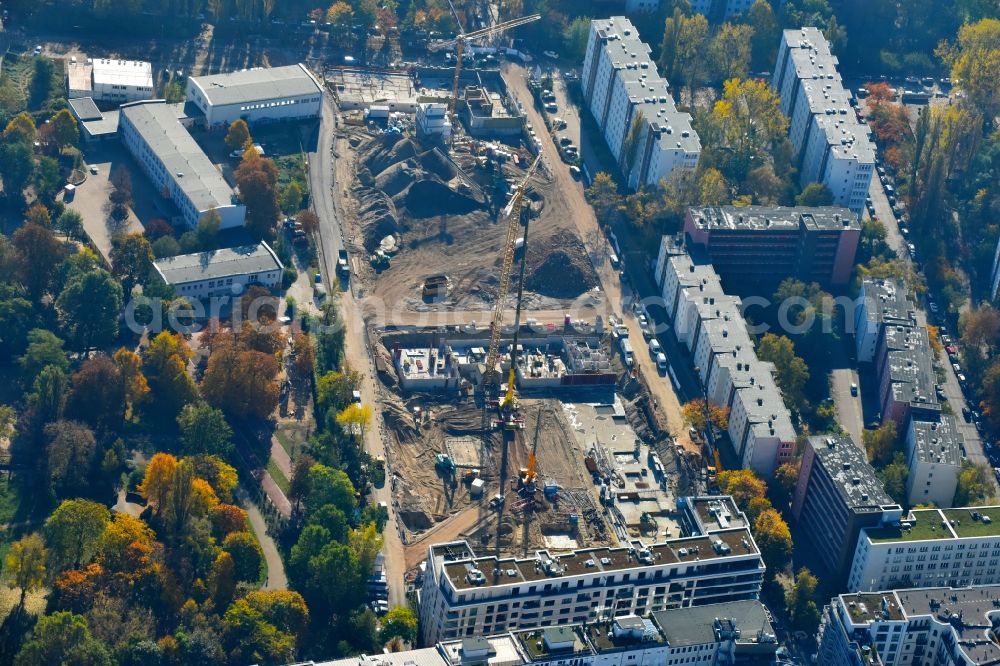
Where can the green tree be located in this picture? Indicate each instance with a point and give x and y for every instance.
(208, 230)
(64, 128)
(729, 51)
(89, 307)
(44, 349)
(47, 179)
(330, 486)
(400, 622)
(248, 638)
(291, 198)
(682, 51)
(248, 558)
(63, 638)
(73, 532)
(24, 565)
(257, 178)
(774, 539)
(38, 253)
(894, 476)
(801, 603)
(766, 34)
(20, 129)
(16, 167)
(747, 121)
(975, 64)
(713, 190)
(603, 196)
(70, 222)
(792, 372)
(204, 430)
(882, 443)
(975, 485)
(815, 194)
(575, 37)
(70, 452)
(238, 135)
(132, 260)
(48, 395)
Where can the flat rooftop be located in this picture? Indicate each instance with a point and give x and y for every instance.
(920, 525)
(768, 218)
(258, 84)
(869, 606)
(847, 137)
(975, 608)
(938, 442)
(911, 371)
(78, 76)
(698, 625)
(846, 464)
(217, 264)
(978, 521)
(132, 73)
(888, 302)
(157, 124)
(500, 650)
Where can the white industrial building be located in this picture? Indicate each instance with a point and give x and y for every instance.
(224, 272)
(710, 324)
(110, 80)
(259, 95)
(934, 452)
(911, 627)
(176, 165)
(930, 548)
(832, 145)
(716, 561)
(632, 105)
(432, 121)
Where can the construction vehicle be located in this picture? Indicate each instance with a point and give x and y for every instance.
(528, 475)
(435, 285)
(445, 464)
(463, 37)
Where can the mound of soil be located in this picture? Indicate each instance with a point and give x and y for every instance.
(378, 216)
(431, 198)
(559, 268)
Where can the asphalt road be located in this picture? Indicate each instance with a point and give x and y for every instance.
(849, 412)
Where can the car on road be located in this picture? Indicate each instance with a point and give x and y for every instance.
(565, 141)
(551, 107)
(854, 388)
(661, 363)
(575, 171)
(961, 380)
(957, 368)
(94, 170)
(654, 347)
(38, 50)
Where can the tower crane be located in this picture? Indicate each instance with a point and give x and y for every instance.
(463, 37)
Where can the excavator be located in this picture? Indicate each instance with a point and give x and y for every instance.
(463, 37)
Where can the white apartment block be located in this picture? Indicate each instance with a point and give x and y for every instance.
(710, 324)
(224, 272)
(934, 451)
(110, 80)
(259, 95)
(832, 146)
(711, 635)
(624, 91)
(176, 165)
(930, 548)
(941, 626)
(717, 560)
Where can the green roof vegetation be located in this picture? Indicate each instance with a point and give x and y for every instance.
(926, 525)
(965, 525)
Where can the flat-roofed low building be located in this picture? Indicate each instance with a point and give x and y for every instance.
(934, 451)
(811, 244)
(837, 495)
(176, 164)
(110, 80)
(228, 271)
(941, 626)
(258, 95)
(463, 594)
(94, 124)
(930, 548)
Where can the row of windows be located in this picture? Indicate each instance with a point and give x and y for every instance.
(283, 102)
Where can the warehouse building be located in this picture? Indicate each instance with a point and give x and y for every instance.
(110, 80)
(259, 95)
(222, 272)
(176, 165)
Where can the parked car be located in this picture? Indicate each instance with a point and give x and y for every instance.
(661, 362)
(654, 347)
(575, 171)
(854, 388)
(551, 107)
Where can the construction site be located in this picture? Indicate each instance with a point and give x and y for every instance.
(512, 434)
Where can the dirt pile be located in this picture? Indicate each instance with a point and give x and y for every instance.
(558, 267)
(431, 197)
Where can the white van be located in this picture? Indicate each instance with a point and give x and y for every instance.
(661, 362)
(627, 354)
(654, 347)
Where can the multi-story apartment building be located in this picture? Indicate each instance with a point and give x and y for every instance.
(836, 496)
(934, 451)
(176, 165)
(812, 244)
(832, 145)
(631, 103)
(881, 304)
(928, 548)
(713, 635)
(905, 369)
(710, 324)
(913, 627)
(717, 560)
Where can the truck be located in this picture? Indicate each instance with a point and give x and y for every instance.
(627, 354)
(343, 268)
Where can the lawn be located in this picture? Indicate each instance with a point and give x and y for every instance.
(278, 476)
